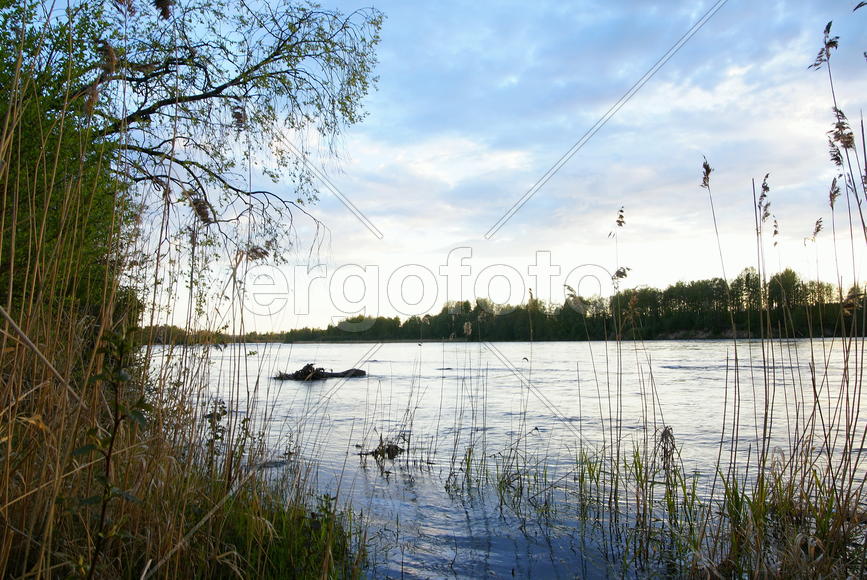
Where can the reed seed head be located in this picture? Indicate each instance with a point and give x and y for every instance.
(239, 117)
(830, 43)
(91, 98)
(833, 193)
(203, 209)
(165, 8)
(109, 56)
(705, 176)
(256, 253)
(834, 153)
(125, 7)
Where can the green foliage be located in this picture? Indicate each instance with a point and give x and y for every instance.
(79, 82)
(224, 88)
(98, 100)
(300, 543)
(698, 309)
(59, 197)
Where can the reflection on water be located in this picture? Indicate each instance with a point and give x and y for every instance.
(479, 423)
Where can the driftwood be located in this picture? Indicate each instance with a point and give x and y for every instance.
(310, 373)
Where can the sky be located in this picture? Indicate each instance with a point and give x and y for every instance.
(476, 102)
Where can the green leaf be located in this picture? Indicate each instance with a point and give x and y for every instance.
(86, 449)
(92, 500)
(124, 494)
(138, 418)
(99, 377)
(143, 405)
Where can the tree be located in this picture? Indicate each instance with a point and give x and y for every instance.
(746, 291)
(785, 290)
(159, 116)
(192, 92)
(58, 197)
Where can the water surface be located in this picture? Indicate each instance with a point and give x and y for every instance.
(468, 413)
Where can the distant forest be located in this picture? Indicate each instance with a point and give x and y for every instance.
(784, 306)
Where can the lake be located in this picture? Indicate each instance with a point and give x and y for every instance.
(489, 433)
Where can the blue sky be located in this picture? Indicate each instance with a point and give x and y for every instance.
(476, 101)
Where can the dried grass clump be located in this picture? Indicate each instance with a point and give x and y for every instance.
(202, 208)
(165, 8)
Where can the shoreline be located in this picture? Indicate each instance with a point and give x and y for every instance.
(694, 336)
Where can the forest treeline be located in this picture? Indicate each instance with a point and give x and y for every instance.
(783, 305)
(697, 309)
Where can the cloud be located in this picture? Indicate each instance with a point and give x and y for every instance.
(476, 102)
(442, 160)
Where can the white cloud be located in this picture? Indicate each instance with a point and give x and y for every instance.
(476, 103)
(442, 159)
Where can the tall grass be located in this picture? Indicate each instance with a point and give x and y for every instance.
(115, 462)
(785, 495)
(118, 461)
